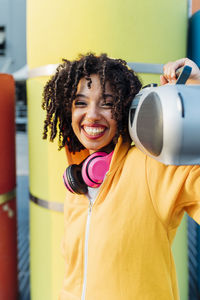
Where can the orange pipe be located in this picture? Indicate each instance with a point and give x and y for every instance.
(8, 228)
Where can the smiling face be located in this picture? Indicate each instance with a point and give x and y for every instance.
(92, 120)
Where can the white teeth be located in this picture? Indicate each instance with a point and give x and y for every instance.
(94, 130)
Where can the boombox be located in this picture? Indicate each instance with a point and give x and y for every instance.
(164, 122)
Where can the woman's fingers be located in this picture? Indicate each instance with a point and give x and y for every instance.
(169, 69)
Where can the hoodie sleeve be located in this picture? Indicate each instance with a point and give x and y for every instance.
(174, 190)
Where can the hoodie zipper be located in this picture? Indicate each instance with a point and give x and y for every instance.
(91, 203)
(86, 250)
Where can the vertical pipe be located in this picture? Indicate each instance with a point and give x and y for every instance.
(137, 31)
(8, 232)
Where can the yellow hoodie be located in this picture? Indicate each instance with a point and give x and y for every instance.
(120, 248)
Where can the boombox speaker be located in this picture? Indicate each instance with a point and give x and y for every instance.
(164, 122)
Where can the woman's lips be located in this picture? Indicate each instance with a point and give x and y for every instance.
(94, 131)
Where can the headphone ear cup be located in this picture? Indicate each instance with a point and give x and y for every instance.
(66, 181)
(73, 180)
(95, 167)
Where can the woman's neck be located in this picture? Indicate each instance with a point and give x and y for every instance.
(109, 148)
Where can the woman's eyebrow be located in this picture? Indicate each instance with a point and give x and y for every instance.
(81, 95)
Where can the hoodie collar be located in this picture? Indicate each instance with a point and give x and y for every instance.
(119, 154)
(120, 151)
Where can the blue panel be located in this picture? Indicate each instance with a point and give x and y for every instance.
(193, 228)
(194, 38)
(194, 259)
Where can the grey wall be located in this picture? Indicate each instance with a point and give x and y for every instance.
(13, 17)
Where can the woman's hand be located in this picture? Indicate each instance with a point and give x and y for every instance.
(169, 71)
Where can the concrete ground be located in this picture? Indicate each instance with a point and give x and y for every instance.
(23, 214)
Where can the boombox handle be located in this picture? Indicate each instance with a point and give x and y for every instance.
(182, 75)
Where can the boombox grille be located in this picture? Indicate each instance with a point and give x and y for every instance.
(149, 125)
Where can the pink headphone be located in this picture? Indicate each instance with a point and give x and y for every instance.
(90, 172)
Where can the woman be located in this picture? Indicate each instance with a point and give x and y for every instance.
(118, 233)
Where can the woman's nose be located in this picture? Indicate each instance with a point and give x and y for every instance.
(93, 113)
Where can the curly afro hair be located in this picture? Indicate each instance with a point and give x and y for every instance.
(60, 91)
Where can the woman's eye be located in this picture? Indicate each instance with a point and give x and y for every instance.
(79, 103)
(108, 104)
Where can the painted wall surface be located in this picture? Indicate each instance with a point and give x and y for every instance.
(134, 30)
(13, 17)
